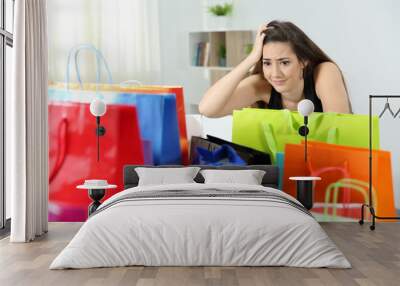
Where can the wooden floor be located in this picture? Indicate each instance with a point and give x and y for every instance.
(374, 255)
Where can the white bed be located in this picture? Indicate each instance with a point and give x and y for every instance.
(185, 230)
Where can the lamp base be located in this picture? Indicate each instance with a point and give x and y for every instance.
(96, 195)
(305, 193)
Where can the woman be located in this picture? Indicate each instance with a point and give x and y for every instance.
(287, 67)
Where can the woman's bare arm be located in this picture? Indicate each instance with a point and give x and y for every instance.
(330, 88)
(234, 91)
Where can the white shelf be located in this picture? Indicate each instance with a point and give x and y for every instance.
(235, 42)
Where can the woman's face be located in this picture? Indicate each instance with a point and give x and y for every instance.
(281, 67)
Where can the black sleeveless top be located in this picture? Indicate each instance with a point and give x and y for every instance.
(275, 101)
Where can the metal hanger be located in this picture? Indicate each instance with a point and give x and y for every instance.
(387, 107)
(397, 113)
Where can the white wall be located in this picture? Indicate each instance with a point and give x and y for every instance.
(362, 36)
(177, 18)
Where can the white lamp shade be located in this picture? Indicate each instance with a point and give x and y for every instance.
(98, 107)
(305, 107)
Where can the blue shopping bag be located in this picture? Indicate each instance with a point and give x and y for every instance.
(223, 155)
(158, 123)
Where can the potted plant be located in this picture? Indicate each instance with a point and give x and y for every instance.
(248, 48)
(221, 9)
(220, 13)
(222, 55)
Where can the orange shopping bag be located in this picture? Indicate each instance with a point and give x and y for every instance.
(345, 178)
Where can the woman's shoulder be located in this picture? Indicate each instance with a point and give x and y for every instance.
(330, 88)
(327, 75)
(326, 69)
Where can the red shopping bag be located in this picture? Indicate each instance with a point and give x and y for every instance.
(73, 154)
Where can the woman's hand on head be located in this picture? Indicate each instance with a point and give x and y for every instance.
(256, 52)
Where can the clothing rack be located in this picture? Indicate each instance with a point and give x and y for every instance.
(370, 203)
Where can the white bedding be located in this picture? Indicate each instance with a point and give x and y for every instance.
(200, 231)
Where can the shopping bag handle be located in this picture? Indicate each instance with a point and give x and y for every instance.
(99, 60)
(62, 144)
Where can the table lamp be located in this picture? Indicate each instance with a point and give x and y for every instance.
(98, 108)
(305, 108)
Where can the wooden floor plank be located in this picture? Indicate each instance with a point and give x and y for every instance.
(375, 257)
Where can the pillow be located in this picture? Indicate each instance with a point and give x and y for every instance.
(162, 176)
(248, 177)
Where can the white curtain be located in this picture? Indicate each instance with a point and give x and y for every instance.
(125, 31)
(26, 123)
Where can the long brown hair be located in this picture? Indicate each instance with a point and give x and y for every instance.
(304, 48)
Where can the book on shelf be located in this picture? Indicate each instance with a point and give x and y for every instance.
(198, 54)
(206, 54)
(202, 54)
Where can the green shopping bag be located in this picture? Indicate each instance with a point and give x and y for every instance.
(269, 130)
